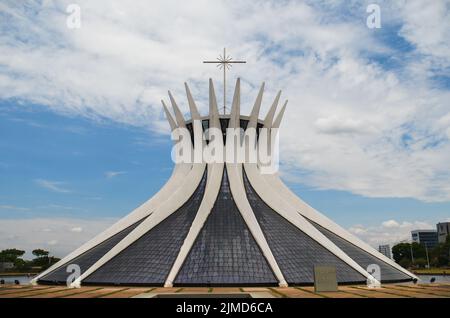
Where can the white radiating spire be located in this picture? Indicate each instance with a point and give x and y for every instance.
(253, 122)
(214, 178)
(234, 171)
(178, 115)
(269, 117)
(236, 106)
(196, 121)
(195, 115)
(179, 190)
(213, 111)
(172, 123)
(277, 121)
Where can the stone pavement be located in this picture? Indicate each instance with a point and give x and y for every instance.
(436, 290)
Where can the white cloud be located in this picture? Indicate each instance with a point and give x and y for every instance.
(389, 232)
(77, 229)
(57, 206)
(52, 242)
(55, 186)
(351, 125)
(427, 25)
(58, 235)
(335, 125)
(13, 208)
(390, 224)
(358, 229)
(112, 174)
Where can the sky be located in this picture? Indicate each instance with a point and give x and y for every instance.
(83, 138)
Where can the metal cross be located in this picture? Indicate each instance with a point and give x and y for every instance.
(224, 62)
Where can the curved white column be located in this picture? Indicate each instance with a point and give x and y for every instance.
(184, 186)
(271, 113)
(277, 187)
(179, 174)
(238, 192)
(183, 193)
(280, 206)
(302, 208)
(269, 195)
(187, 187)
(215, 174)
(234, 172)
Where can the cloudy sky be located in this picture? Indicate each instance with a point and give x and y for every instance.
(83, 139)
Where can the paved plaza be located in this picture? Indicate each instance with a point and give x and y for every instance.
(386, 291)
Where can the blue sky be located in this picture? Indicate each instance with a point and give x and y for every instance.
(102, 169)
(83, 139)
(75, 167)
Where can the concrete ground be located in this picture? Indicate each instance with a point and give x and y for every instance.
(436, 290)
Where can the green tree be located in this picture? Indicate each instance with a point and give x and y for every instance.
(418, 250)
(441, 254)
(10, 255)
(13, 255)
(20, 264)
(405, 263)
(40, 252)
(420, 262)
(43, 259)
(401, 251)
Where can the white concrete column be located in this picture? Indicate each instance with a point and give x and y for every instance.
(234, 172)
(179, 173)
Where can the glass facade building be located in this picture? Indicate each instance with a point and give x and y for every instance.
(428, 238)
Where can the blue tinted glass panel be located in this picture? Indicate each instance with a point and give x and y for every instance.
(225, 252)
(148, 260)
(295, 252)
